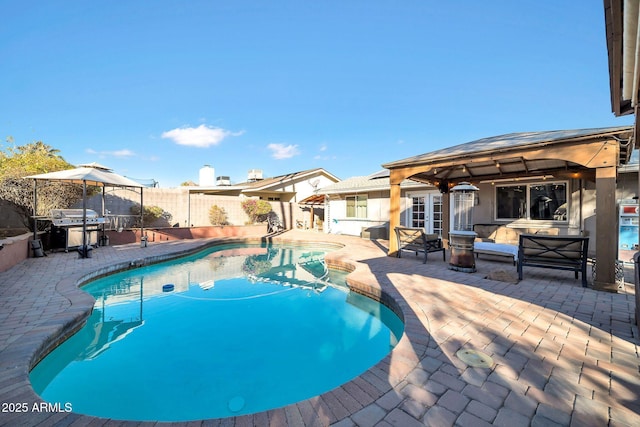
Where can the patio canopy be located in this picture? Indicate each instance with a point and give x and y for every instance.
(584, 154)
(92, 174)
(561, 153)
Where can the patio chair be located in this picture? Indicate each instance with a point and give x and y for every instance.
(416, 240)
(273, 223)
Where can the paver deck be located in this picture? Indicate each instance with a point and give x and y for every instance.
(563, 355)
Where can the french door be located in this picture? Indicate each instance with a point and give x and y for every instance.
(426, 212)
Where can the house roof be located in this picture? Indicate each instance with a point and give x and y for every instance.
(374, 182)
(517, 154)
(277, 181)
(621, 24)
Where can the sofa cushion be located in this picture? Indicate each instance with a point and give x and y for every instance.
(485, 230)
(502, 234)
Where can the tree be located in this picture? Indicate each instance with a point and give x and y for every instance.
(218, 216)
(151, 215)
(16, 162)
(255, 209)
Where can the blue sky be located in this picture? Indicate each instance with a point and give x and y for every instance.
(157, 89)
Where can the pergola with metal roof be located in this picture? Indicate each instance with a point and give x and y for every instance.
(590, 154)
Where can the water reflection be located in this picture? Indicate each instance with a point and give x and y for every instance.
(267, 324)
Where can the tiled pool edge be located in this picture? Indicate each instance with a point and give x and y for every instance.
(360, 392)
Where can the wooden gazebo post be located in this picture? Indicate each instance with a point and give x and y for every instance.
(395, 178)
(606, 233)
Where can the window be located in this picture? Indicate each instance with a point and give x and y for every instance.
(418, 212)
(356, 206)
(536, 201)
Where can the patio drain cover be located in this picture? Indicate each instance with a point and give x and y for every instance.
(475, 358)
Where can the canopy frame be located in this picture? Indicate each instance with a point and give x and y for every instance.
(86, 175)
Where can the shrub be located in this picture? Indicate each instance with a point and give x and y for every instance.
(218, 216)
(255, 208)
(150, 215)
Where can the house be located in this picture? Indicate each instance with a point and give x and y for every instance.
(190, 205)
(292, 187)
(623, 40)
(359, 206)
(578, 169)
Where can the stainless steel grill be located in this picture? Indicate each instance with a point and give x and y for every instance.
(73, 217)
(67, 224)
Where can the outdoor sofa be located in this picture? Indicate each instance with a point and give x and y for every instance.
(502, 241)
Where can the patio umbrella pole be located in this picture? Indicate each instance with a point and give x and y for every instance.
(84, 250)
(143, 240)
(103, 238)
(35, 209)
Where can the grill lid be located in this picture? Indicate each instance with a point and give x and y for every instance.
(72, 213)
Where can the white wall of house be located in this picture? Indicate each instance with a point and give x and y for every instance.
(308, 187)
(378, 205)
(339, 223)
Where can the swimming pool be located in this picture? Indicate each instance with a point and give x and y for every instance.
(233, 330)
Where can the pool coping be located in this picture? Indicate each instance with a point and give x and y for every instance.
(71, 320)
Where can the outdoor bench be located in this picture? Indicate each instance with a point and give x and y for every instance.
(416, 240)
(556, 252)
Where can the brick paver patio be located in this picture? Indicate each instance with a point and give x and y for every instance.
(563, 355)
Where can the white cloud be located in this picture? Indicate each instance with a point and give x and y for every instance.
(281, 151)
(203, 136)
(117, 153)
(121, 153)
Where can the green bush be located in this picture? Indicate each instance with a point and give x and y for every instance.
(218, 216)
(255, 208)
(151, 214)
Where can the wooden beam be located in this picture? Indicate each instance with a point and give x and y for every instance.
(597, 154)
(591, 154)
(575, 173)
(446, 218)
(395, 177)
(606, 230)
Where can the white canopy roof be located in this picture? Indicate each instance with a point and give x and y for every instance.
(93, 176)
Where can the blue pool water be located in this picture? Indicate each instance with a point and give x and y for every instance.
(232, 330)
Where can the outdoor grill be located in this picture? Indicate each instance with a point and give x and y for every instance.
(66, 228)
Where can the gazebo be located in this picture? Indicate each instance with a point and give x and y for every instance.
(583, 154)
(92, 174)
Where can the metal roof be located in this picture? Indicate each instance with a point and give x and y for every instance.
(503, 143)
(509, 156)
